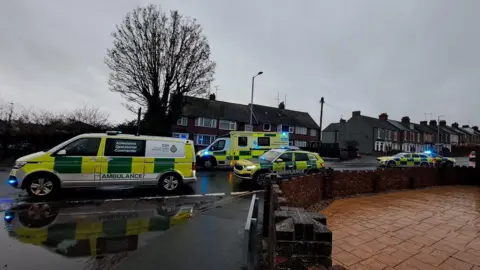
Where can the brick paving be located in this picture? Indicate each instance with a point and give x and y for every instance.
(436, 228)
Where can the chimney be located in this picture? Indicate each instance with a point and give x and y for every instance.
(212, 97)
(406, 120)
(443, 123)
(475, 128)
(356, 113)
(424, 123)
(343, 121)
(455, 125)
(281, 105)
(383, 117)
(433, 123)
(465, 126)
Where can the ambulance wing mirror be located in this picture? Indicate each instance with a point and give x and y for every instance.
(279, 160)
(62, 152)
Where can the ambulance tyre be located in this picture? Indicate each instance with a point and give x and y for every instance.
(391, 164)
(259, 178)
(209, 162)
(42, 185)
(448, 164)
(170, 182)
(38, 215)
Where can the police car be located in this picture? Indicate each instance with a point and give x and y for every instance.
(284, 162)
(406, 160)
(441, 160)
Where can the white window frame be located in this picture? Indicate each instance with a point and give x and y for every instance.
(395, 135)
(232, 125)
(405, 138)
(182, 121)
(389, 135)
(379, 132)
(269, 127)
(313, 132)
(418, 137)
(179, 135)
(301, 130)
(197, 142)
(300, 143)
(248, 127)
(200, 122)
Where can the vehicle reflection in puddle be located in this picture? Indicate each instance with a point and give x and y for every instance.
(94, 230)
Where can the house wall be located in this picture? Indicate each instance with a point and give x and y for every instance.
(329, 137)
(357, 129)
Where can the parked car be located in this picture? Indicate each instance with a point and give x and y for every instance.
(471, 157)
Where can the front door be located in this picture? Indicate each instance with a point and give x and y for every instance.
(80, 166)
(124, 162)
(219, 151)
(286, 165)
(302, 163)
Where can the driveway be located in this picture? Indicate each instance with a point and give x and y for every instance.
(436, 228)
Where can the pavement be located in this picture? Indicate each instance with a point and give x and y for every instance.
(435, 228)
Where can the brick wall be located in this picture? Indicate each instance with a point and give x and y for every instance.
(308, 190)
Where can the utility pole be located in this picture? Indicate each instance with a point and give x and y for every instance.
(322, 100)
(251, 102)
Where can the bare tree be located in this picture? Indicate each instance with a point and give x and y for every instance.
(90, 115)
(155, 61)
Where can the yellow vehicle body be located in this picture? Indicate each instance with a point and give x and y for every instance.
(407, 160)
(98, 160)
(240, 145)
(279, 161)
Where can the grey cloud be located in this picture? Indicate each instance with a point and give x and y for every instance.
(400, 57)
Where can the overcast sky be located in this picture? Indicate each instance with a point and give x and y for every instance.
(406, 57)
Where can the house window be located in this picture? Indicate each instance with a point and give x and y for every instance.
(264, 141)
(267, 127)
(300, 143)
(418, 137)
(389, 135)
(242, 141)
(313, 132)
(182, 121)
(395, 134)
(180, 135)
(405, 138)
(206, 122)
(412, 136)
(379, 131)
(202, 139)
(301, 130)
(290, 143)
(248, 128)
(227, 125)
(290, 129)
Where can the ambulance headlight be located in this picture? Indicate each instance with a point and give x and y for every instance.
(251, 167)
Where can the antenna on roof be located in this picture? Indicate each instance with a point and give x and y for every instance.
(216, 90)
(278, 98)
(285, 101)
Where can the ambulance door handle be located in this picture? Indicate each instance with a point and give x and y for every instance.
(93, 158)
(290, 166)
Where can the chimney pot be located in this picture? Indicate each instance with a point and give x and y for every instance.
(443, 123)
(383, 117)
(423, 123)
(212, 97)
(433, 123)
(406, 120)
(455, 125)
(465, 126)
(343, 121)
(475, 128)
(356, 113)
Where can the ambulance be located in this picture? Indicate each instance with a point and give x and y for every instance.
(106, 159)
(240, 145)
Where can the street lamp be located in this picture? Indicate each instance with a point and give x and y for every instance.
(438, 133)
(251, 102)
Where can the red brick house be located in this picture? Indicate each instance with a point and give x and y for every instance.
(203, 120)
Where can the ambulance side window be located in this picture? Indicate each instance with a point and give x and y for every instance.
(312, 157)
(124, 148)
(286, 157)
(85, 147)
(264, 141)
(301, 157)
(242, 141)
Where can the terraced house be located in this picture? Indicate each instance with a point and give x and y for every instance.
(204, 119)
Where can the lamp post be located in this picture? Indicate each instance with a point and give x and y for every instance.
(251, 102)
(438, 133)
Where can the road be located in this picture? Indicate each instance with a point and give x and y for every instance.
(99, 232)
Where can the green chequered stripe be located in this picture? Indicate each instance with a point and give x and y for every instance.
(236, 157)
(270, 135)
(163, 164)
(245, 153)
(158, 224)
(120, 165)
(63, 231)
(220, 153)
(114, 227)
(266, 166)
(68, 165)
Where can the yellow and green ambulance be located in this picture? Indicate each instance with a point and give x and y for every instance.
(91, 230)
(106, 159)
(240, 145)
(283, 162)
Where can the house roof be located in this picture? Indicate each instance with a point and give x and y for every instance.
(201, 107)
(448, 129)
(273, 115)
(332, 127)
(377, 123)
(424, 128)
(400, 125)
(457, 130)
(468, 130)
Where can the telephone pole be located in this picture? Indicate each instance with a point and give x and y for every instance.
(319, 135)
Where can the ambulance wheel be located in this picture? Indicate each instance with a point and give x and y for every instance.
(42, 185)
(170, 182)
(38, 215)
(209, 162)
(391, 164)
(424, 165)
(259, 178)
(448, 165)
